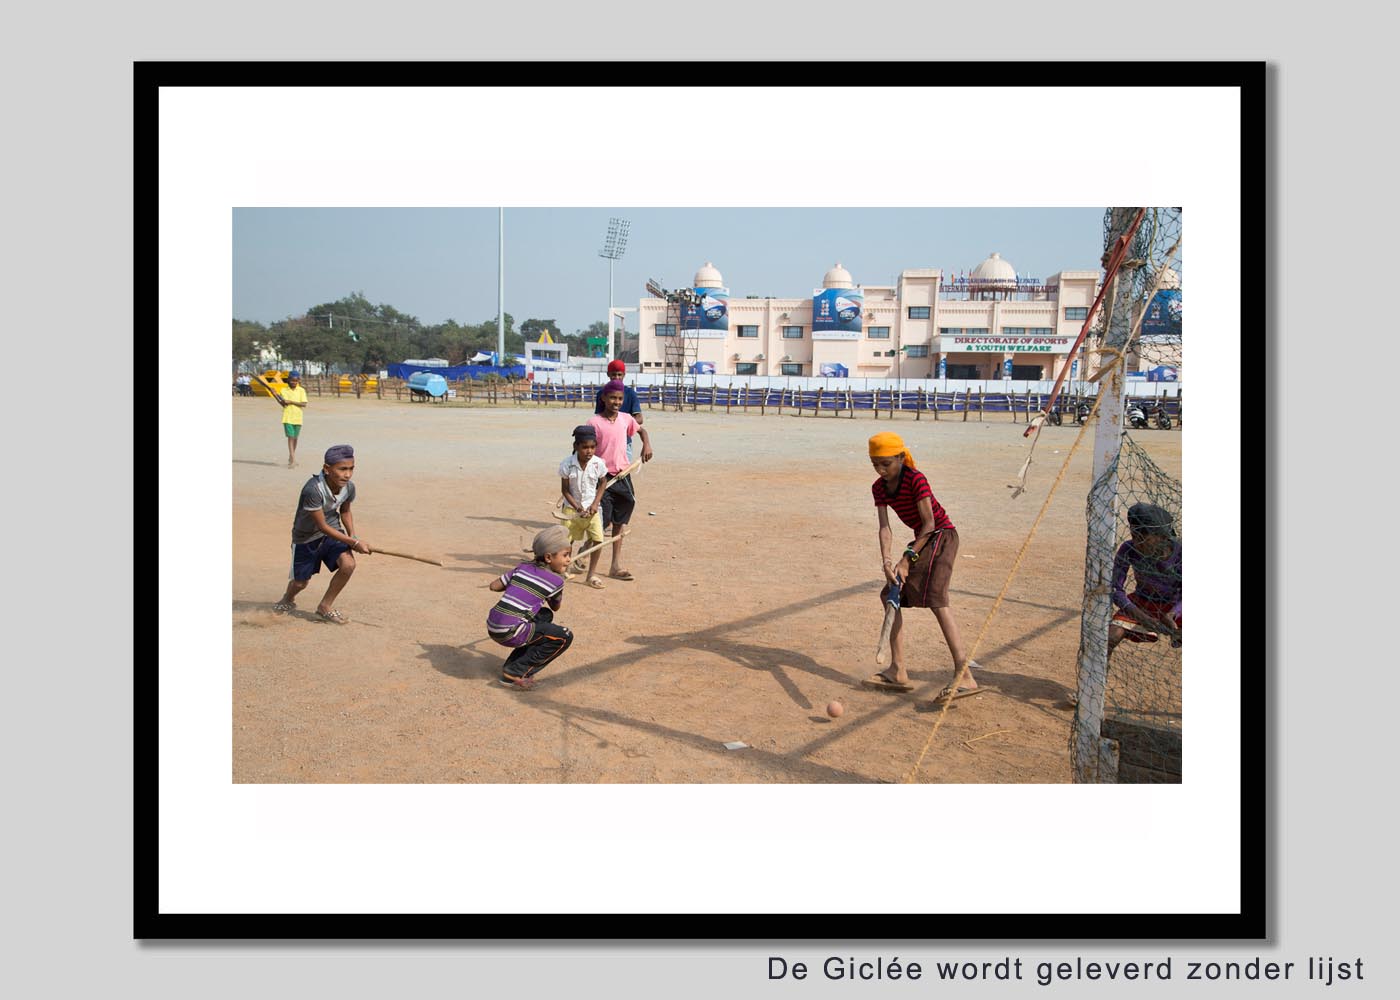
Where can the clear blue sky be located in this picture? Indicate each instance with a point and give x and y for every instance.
(440, 264)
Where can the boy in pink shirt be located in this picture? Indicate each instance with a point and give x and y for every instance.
(614, 428)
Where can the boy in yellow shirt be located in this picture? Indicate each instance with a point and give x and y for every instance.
(293, 400)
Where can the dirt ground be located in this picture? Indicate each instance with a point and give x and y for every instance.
(755, 604)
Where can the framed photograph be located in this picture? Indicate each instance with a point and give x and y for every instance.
(723, 510)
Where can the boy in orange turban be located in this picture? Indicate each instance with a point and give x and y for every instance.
(924, 569)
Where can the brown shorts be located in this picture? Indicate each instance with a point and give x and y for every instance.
(927, 586)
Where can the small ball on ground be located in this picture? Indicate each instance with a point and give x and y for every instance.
(834, 710)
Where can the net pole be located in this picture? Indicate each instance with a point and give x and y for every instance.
(1094, 759)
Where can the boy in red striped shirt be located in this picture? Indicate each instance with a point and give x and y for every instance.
(925, 568)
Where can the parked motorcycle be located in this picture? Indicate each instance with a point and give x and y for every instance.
(1136, 416)
(1081, 413)
(1161, 417)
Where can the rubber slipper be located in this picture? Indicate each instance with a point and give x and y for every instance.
(595, 583)
(624, 575)
(880, 682)
(519, 683)
(333, 616)
(947, 694)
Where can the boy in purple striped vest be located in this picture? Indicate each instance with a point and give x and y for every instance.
(523, 618)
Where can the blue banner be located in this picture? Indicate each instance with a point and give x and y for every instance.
(456, 373)
(942, 367)
(703, 368)
(835, 371)
(1163, 317)
(711, 314)
(1006, 367)
(837, 313)
(1162, 373)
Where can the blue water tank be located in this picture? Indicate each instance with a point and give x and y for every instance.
(433, 385)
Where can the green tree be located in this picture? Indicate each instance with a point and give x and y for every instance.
(532, 328)
(248, 336)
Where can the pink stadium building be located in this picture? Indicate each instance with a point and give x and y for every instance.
(973, 324)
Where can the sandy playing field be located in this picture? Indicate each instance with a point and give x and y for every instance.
(755, 603)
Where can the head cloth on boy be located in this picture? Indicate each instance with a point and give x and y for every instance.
(888, 444)
(614, 386)
(1150, 518)
(339, 453)
(551, 539)
(585, 432)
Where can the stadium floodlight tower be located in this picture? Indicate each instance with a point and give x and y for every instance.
(614, 246)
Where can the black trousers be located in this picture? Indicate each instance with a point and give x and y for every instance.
(547, 642)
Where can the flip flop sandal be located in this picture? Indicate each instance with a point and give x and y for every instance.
(948, 694)
(881, 683)
(282, 607)
(624, 575)
(519, 683)
(333, 616)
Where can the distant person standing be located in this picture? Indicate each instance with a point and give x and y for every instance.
(293, 400)
(245, 385)
(630, 403)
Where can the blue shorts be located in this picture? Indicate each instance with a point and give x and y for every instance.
(308, 556)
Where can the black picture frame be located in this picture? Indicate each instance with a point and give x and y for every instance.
(149, 922)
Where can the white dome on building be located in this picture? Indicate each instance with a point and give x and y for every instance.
(1170, 279)
(995, 272)
(837, 277)
(708, 277)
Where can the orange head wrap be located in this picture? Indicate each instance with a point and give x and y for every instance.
(888, 444)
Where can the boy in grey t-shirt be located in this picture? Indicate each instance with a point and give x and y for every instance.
(323, 532)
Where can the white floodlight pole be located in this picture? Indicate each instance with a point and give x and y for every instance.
(501, 289)
(614, 246)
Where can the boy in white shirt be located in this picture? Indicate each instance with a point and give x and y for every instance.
(583, 477)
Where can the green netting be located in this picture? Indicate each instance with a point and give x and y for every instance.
(1144, 677)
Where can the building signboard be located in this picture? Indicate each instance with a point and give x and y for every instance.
(837, 313)
(1005, 345)
(1163, 317)
(712, 312)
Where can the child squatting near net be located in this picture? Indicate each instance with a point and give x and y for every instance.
(924, 569)
(1153, 553)
(523, 618)
(323, 532)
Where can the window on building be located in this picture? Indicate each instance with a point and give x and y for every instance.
(1076, 312)
(916, 351)
(792, 333)
(877, 332)
(919, 312)
(665, 329)
(1041, 331)
(977, 331)
(1027, 373)
(745, 368)
(1013, 331)
(792, 369)
(950, 331)
(748, 331)
(962, 371)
